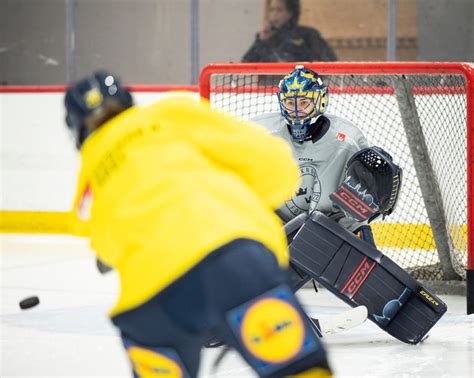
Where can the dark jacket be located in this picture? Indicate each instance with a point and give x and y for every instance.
(295, 44)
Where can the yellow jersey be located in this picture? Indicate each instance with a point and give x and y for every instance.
(162, 186)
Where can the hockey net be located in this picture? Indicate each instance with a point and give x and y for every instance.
(418, 112)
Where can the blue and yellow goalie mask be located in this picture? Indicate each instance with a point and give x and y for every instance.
(302, 97)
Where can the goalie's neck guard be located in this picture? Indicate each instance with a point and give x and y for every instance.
(316, 130)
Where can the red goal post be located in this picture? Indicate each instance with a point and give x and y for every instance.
(423, 114)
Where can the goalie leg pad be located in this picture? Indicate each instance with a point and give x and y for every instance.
(359, 274)
(298, 277)
(273, 334)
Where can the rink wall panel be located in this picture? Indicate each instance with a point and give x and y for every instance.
(40, 164)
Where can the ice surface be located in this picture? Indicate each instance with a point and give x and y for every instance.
(68, 333)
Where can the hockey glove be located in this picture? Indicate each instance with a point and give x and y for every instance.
(371, 185)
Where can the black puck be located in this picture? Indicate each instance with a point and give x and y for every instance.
(29, 302)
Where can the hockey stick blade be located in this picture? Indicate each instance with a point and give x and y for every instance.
(342, 322)
(323, 326)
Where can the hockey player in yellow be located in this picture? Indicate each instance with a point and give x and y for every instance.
(180, 200)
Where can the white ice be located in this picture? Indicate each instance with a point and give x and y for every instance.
(68, 333)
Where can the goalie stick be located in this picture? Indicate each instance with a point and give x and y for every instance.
(323, 326)
(329, 325)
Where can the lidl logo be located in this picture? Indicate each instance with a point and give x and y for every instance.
(147, 363)
(272, 330)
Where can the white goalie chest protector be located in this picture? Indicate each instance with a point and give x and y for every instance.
(322, 163)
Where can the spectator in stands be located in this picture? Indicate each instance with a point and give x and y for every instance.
(283, 40)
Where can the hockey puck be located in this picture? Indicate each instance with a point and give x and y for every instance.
(29, 302)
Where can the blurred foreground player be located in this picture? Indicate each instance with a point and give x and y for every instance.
(180, 200)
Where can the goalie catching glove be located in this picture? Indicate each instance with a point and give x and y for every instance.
(371, 185)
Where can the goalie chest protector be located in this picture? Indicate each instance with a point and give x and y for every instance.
(359, 274)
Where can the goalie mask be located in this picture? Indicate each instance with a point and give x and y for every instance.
(302, 96)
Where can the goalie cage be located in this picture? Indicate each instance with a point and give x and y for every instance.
(423, 115)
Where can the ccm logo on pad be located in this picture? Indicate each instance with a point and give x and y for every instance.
(357, 278)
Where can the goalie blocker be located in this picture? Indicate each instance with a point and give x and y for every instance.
(359, 274)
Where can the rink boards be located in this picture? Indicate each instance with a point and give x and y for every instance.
(39, 163)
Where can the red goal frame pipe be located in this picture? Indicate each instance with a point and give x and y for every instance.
(380, 68)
